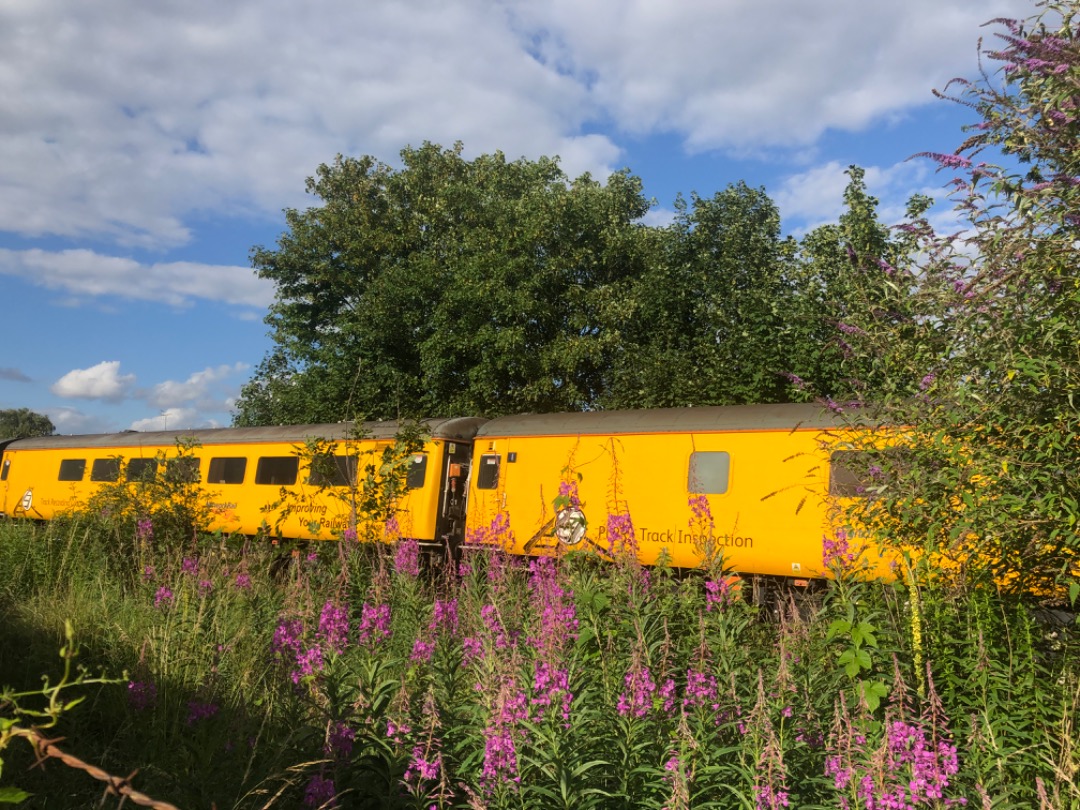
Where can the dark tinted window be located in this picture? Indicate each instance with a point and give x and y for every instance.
(183, 470)
(4, 470)
(141, 469)
(227, 471)
(708, 472)
(487, 477)
(333, 471)
(72, 469)
(858, 473)
(105, 469)
(277, 470)
(417, 471)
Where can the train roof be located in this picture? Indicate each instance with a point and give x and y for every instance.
(709, 419)
(457, 429)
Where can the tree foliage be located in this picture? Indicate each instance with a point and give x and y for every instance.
(446, 287)
(984, 364)
(485, 287)
(22, 423)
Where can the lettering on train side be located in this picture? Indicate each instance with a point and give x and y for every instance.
(683, 537)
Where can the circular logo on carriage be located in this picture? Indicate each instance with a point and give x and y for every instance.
(27, 500)
(570, 526)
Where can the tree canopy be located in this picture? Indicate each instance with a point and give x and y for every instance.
(23, 423)
(484, 287)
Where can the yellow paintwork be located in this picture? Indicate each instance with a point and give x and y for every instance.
(236, 507)
(771, 520)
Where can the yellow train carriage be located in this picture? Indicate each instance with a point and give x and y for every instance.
(750, 482)
(243, 470)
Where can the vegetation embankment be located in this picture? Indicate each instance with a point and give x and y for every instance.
(353, 678)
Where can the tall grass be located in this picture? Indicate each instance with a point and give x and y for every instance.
(352, 675)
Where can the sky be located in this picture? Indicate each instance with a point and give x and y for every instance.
(147, 147)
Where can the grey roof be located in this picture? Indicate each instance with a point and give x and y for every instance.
(459, 429)
(720, 418)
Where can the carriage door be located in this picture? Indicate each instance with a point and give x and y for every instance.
(453, 495)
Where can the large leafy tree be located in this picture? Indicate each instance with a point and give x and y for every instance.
(709, 317)
(446, 287)
(851, 276)
(986, 368)
(21, 423)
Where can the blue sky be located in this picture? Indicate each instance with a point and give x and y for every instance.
(146, 147)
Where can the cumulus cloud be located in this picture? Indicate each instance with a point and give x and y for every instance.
(175, 419)
(86, 273)
(103, 381)
(745, 74)
(123, 119)
(198, 388)
(72, 421)
(816, 196)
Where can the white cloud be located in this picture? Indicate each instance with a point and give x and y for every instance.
(197, 388)
(744, 74)
(816, 196)
(123, 119)
(86, 273)
(175, 419)
(72, 421)
(102, 381)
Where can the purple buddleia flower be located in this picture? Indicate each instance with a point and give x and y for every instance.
(636, 697)
(320, 793)
(199, 711)
(142, 695)
(407, 558)
(287, 641)
(334, 627)
(445, 617)
(374, 624)
(339, 741)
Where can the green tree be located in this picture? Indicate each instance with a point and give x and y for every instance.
(22, 423)
(850, 276)
(445, 287)
(709, 321)
(986, 369)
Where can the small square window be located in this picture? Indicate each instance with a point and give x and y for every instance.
(277, 470)
(333, 471)
(488, 475)
(227, 471)
(417, 471)
(709, 472)
(72, 469)
(182, 470)
(141, 469)
(105, 469)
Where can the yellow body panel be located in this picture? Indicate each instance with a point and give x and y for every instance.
(771, 520)
(32, 488)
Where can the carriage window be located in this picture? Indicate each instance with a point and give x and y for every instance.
(417, 471)
(141, 469)
(488, 476)
(4, 471)
(335, 471)
(859, 473)
(72, 469)
(277, 470)
(105, 469)
(227, 470)
(183, 470)
(709, 472)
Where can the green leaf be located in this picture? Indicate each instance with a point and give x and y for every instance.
(13, 795)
